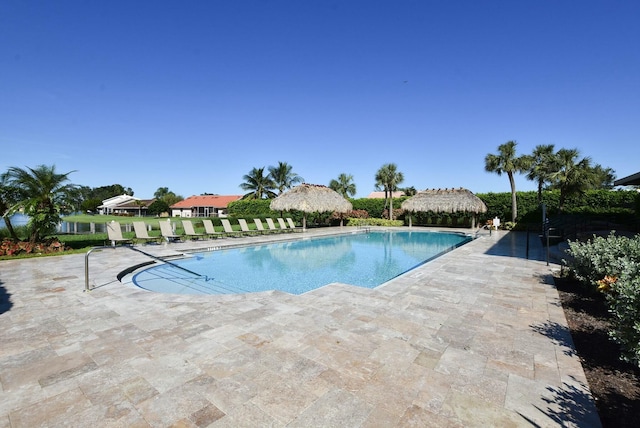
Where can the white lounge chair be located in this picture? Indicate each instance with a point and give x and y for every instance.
(282, 224)
(190, 231)
(260, 227)
(167, 231)
(210, 230)
(272, 226)
(228, 230)
(293, 226)
(141, 232)
(114, 232)
(245, 227)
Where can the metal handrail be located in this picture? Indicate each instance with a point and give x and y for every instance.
(86, 263)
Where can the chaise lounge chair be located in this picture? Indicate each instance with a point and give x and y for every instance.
(114, 232)
(293, 226)
(272, 226)
(167, 231)
(190, 231)
(284, 226)
(228, 230)
(245, 227)
(260, 227)
(210, 230)
(141, 232)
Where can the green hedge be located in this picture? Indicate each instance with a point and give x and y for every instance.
(250, 208)
(614, 205)
(373, 222)
(375, 207)
(600, 203)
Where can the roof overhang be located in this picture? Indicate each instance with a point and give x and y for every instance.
(632, 180)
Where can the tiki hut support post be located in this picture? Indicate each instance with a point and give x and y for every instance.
(310, 198)
(445, 201)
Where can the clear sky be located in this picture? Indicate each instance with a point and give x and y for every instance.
(191, 95)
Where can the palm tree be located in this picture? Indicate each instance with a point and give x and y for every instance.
(410, 191)
(507, 162)
(259, 185)
(603, 177)
(389, 178)
(161, 192)
(166, 195)
(283, 177)
(7, 200)
(42, 193)
(541, 166)
(572, 176)
(344, 185)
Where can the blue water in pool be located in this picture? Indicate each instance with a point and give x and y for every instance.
(363, 259)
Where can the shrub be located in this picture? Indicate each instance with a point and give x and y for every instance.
(508, 225)
(623, 298)
(358, 214)
(612, 265)
(373, 222)
(598, 257)
(9, 247)
(249, 208)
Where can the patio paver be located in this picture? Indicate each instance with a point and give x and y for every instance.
(476, 337)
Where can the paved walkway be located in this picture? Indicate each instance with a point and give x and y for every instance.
(475, 338)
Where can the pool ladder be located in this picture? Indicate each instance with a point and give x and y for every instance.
(86, 262)
(364, 227)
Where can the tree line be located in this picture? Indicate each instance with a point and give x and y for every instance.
(45, 195)
(564, 170)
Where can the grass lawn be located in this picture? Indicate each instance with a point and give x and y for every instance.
(86, 218)
(79, 243)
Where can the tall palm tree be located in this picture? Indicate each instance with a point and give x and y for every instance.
(389, 178)
(258, 184)
(344, 185)
(541, 166)
(573, 175)
(506, 162)
(283, 177)
(42, 193)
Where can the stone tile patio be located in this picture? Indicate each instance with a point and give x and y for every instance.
(474, 338)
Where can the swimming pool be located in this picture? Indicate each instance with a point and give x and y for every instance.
(362, 259)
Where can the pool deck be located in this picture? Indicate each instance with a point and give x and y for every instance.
(474, 338)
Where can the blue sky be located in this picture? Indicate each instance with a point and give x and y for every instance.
(193, 95)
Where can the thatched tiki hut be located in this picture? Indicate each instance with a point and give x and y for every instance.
(447, 201)
(310, 198)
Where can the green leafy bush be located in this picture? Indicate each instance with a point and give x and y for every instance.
(9, 247)
(373, 222)
(624, 305)
(598, 257)
(612, 265)
(249, 208)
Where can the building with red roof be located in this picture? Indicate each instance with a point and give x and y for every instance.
(203, 206)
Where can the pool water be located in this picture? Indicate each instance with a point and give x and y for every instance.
(363, 259)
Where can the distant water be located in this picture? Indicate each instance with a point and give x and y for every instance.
(64, 227)
(16, 220)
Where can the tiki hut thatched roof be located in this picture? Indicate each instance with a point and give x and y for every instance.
(311, 198)
(445, 200)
